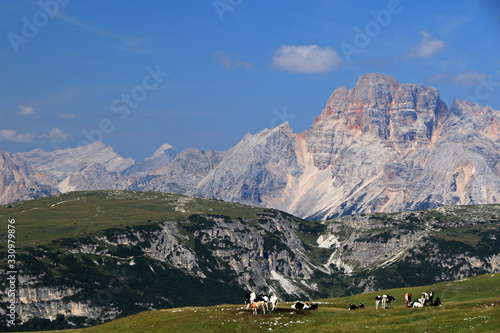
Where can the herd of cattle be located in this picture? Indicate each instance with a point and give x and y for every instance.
(425, 298)
(268, 303)
(262, 302)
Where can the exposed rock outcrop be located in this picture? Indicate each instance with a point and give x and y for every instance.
(18, 181)
(381, 146)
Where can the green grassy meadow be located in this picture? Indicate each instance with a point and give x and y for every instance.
(79, 214)
(469, 305)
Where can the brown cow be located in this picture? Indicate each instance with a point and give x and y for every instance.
(407, 300)
(256, 306)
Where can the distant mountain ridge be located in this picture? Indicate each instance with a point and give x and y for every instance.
(381, 146)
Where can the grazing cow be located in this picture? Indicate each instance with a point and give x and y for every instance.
(384, 299)
(436, 302)
(256, 306)
(249, 299)
(390, 299)
(313, 306)
(263, 298)
(274, 302)
(428, 296)
(407, 300)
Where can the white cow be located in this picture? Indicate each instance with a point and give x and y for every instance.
(273, 301)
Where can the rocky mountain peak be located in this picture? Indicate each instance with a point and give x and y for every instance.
(400, 115)
(154, 164)
(376, 79)
(165, 149)
(61, 163)
(380, 146)
(474, 118)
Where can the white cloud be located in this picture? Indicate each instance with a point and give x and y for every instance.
(427, 48)
(56, 135)
(230, 64)
(12, 135)
(469, 78)
(306, 59)
(25, 110)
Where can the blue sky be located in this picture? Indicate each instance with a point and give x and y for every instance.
(203, 73)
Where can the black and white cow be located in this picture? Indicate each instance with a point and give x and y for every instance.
(304, 306)
(390, 299)
(416, 304)
(354, 307)
(249, 298)
(428, 296)
(263, 298)
(384, 299)
(300, 305)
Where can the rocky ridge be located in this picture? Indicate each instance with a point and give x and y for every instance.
(380, 146)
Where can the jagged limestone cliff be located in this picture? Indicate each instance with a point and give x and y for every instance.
(381, 146)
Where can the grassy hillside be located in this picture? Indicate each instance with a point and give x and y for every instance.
(78, 214)
(469, 305)
(111, 253)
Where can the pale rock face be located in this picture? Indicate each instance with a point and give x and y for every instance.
(94, 176)
(381, 146)
(61, 163)
(385, 147)
(256, 170)
(53, 302)
(154, 164)
(18, 181)
(183, 174)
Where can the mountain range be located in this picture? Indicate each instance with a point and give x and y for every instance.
(380, 146)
